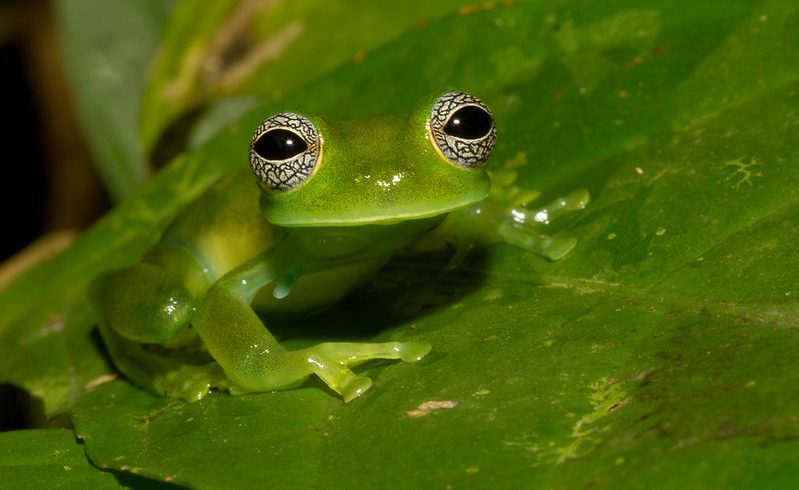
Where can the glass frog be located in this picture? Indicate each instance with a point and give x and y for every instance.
(332, 204)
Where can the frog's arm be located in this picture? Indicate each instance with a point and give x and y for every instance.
(507, 219)
(255, 361)
(521, 227)
(506, 216)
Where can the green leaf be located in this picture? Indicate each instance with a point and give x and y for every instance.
(39, 458)
(190, 443)
(659, 353)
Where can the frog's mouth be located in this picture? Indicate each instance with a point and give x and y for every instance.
(340, 214)
(361, 217)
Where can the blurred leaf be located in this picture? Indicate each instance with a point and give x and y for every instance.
(659, 353)
(108, 47)
(263, 48)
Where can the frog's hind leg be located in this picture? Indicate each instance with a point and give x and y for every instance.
(145, 304)
(160, 374)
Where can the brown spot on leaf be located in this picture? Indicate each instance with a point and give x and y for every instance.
(425, 408)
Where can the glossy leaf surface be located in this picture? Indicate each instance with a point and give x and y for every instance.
(660, 351)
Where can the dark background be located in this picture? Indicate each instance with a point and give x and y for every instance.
(49, 186)
(49, 182)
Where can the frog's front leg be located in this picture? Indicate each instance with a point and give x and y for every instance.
(519, 227)
(507, 220)
(254, 360)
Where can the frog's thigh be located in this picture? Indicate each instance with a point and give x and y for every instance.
(143, 303)
(255, 361)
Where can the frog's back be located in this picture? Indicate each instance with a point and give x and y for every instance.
(224, 227)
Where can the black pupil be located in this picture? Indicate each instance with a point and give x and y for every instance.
(470, 123)
(279, 144)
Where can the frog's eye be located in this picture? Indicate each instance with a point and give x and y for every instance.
(462, 129)
(284, 151)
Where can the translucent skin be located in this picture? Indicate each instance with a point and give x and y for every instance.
(379, 186)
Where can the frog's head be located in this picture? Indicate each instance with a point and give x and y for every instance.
(377, 171)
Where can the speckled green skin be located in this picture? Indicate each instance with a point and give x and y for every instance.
(379, 186)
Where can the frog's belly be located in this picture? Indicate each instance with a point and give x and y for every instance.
(317, 290)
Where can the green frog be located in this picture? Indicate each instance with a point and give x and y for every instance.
(322, 207)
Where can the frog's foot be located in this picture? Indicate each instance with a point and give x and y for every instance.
(575, 201)
(414, 351)
(192, 382)
(343, 354)
(551, 247)
(355, 386)
(520, 229)
(354, 353)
